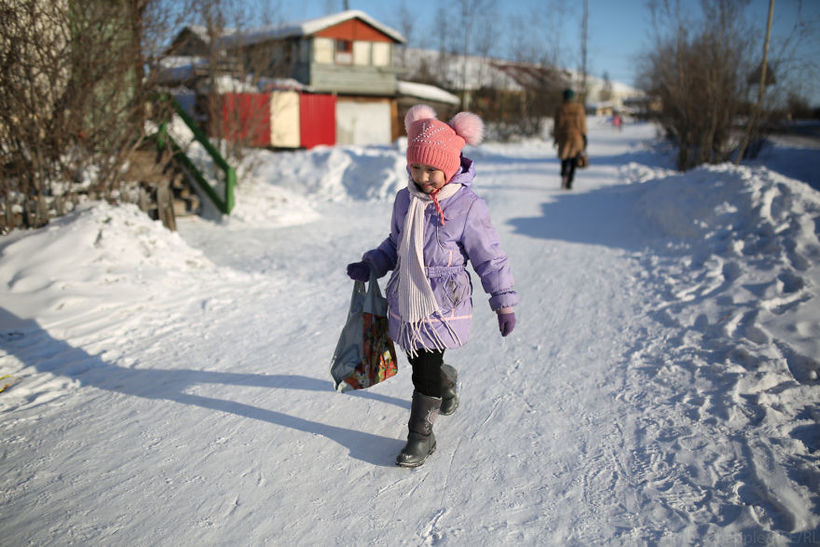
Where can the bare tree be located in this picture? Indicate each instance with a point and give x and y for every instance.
(708, 74)
(72, 102)
(536, 35)
(584, 48)
(699, 78)
(470, 12)
(606, 89)
(243, 57)
(753, 121)
(407, 24)
(442, 69)
(537, 48)
(485, 43)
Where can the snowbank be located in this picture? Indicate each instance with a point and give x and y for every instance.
(743, 244)
(329, 173)
(99, 253)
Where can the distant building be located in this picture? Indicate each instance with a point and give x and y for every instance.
(347, 55)
(469, 74)
(335, 80)
(412, 93)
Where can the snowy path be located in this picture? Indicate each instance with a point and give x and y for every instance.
(195, 405)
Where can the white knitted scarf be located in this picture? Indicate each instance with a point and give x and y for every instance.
(416, 299)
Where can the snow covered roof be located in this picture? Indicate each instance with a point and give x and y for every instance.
(271, 84)
(175, 68)
(426, 92)
(474, 72)
(200, 32)
(309, 27)
(471, 72)
(224, 83)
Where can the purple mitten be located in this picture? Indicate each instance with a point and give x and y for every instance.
(506, 323)
(359, 271)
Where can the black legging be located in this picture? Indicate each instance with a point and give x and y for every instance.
(568, 168)
(427, 371)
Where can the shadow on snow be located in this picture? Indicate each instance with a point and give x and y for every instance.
(607, 216)
(58, 357)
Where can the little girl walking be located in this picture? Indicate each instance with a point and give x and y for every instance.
(438, 224)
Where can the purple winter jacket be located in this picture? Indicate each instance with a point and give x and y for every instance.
(468, 234)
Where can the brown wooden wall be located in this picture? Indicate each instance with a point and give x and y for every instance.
(354, 29)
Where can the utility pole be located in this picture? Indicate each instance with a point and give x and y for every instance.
(584, 35)
(761, 87)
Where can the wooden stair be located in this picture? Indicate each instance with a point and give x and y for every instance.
(164, 191)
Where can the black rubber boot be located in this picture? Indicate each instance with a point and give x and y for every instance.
(421, 442)
(449, 397)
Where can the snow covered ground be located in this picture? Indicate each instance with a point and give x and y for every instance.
(661, 386)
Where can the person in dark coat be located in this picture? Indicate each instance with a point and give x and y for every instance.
(570, 134)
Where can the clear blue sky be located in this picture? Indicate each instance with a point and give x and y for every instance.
(619, 30)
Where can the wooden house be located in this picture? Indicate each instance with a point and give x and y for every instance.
(348, 56)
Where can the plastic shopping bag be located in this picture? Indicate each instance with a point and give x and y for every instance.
(365, 354)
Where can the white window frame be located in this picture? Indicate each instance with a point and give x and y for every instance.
(361, 53)
(324, 50)
(381, 54)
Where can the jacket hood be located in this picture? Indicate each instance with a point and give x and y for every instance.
(465, 174)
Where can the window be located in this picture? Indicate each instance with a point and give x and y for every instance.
(304, 51)
(323, 50)
(381, 54)
(344, 52)
(348, 52)
(361, 53)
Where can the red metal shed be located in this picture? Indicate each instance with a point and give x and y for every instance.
(317, 118)
(246, 118)
(282, 119)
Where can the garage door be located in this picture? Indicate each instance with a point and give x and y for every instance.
(362, 123)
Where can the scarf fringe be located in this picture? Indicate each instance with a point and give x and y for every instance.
(413, 334)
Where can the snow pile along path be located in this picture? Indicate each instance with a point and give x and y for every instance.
(733, 281)
(330, 174)
(95, 277)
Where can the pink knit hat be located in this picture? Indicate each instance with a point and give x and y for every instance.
(433, 142)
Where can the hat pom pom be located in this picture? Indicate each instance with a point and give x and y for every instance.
(468, 126)
(416, 113)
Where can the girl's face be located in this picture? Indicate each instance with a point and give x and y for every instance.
(427, 177)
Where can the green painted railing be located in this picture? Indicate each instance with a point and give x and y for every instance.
(224, 200)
